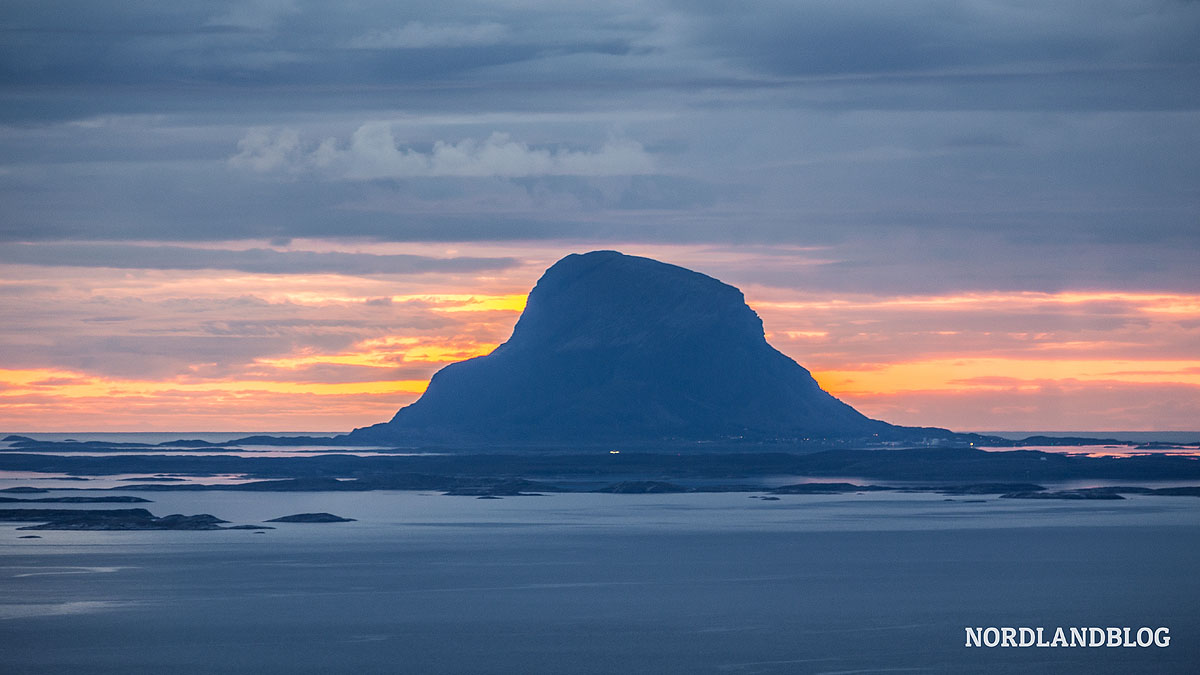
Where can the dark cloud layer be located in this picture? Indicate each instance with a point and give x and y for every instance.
(248, 53)
(928, 145)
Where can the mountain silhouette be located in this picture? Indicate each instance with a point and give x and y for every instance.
(614, 348)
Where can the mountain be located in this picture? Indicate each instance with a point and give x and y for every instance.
(617, 348)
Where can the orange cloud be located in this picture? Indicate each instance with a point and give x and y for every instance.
(962, 374)
(1061, 405)
(253, 412)
(448, 302)
(78, 385)
(83, 402)
(387, 352)
(1163, 303)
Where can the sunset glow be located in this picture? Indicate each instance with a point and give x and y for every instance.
(332, 352)
(385, 353)
(68, 385)
(973, 374)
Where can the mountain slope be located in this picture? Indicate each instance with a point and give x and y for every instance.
(613, 347)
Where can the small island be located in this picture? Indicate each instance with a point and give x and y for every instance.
(311, 518)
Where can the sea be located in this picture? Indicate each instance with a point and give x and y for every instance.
(580, 583)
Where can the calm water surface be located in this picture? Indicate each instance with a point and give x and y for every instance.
(584, 583)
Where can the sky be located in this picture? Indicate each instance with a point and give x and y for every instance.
(279, 215)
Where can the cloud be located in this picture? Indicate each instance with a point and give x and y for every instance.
(418, 35)
(255, 260)
(373, 153)
(254, 14)
(1060, 406)
(948, 38)
(928, 148)
(931, 54)
(260, 151)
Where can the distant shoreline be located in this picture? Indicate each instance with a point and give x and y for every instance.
(1130, 436)
(226, 436)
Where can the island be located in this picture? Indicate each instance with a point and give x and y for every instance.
(112, 519)
(311, 518)
(108, 499)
